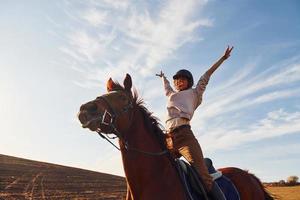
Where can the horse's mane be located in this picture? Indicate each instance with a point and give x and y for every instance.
(151, 122)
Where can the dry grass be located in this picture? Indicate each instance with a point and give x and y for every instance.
(26, 179)
(286, 193)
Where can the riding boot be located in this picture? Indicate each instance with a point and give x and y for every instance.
(216, 192)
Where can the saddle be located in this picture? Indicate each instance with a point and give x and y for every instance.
(194, 185)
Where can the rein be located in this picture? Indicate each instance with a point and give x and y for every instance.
(115, 131)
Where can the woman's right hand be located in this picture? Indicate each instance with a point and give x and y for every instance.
(161, 74)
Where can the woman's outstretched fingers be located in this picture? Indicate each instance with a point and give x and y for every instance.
(161, 74)
(227, 52)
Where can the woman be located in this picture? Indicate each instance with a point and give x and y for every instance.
(181, 105)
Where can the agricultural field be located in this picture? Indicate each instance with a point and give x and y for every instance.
(285, 192)
(22, 179)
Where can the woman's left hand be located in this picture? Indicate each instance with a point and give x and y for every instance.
(227, 52)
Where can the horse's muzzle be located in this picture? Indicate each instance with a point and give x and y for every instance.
(88, 120)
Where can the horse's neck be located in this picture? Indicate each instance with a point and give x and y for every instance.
(140, 138)
(144, 171)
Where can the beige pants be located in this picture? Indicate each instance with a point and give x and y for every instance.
(185, 143)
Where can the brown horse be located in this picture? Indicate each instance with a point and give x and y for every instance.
(149, 168)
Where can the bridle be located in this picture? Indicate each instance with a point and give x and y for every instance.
(113, 114)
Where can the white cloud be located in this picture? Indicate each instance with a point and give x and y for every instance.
(218, 122)
(237, 96)
(279, 151)
(126, 38)
(94, 17)
(268, 97)
(72, 54)
(85, 48)
(85, 44)
(109, 4)
(277, 123)
(159, 38)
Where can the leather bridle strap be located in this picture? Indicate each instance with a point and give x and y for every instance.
(113, 116)
(114, 129)
(107, 139)
(111, 123)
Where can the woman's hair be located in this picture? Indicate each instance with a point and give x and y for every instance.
(187, 74)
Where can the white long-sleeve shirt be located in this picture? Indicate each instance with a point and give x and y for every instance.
(181, 105)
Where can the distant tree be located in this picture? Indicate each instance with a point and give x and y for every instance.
(292, 180)
(281, 182)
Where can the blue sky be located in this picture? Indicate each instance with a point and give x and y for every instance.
(56, 55)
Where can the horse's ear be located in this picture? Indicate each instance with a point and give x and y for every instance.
(110, 85)
(127, 82)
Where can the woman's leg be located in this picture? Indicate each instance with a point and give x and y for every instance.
(188, 146)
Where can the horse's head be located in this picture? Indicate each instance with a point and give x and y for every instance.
(111, 112)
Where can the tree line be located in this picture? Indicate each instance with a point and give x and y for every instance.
(290, 181)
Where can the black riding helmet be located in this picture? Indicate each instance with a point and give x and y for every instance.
(187, 74)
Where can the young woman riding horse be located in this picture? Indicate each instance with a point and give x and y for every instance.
(149, 168)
